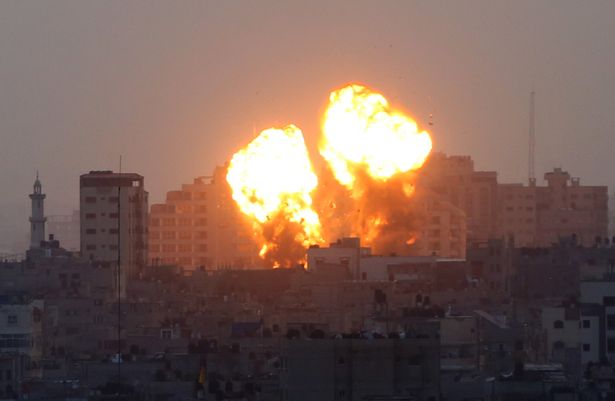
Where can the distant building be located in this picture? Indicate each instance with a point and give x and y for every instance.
(534, 216)
(113, 209)
(21, 329)
(444, 231)
(360, 369)
(66, 229)
(454, 179)
(199, 225)
(537, 216)
(37, 219)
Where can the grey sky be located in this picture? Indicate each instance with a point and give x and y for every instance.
(176, 87)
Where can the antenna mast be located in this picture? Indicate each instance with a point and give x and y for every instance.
(532, 140)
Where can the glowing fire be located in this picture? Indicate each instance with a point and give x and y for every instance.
(361, 131)
(271, 181)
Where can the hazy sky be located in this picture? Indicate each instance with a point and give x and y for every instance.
(177, 87)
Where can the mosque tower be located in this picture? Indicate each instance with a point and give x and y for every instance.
(37, 221)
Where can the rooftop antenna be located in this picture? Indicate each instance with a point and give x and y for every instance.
(532, 142)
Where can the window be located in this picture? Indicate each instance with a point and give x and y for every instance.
(90, 216)
(610, 345)
(202, 248)
(610, 322)
(558, 324)
(154, 248)
(113, 215)
(168, 235)
(586, 347)
(200, 222)
(11, 319)
(185, 248)
(90, 199)
(586, 324)
(185, 235)
(90, 231)
(202, 235)
(168, 221)
(114, 199)
(155, 222)
(154, 234)
(90, 247)
(185, 221)
(168, 248)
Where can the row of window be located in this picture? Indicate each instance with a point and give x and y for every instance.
(586, 323)
(177, 235)
(181, 221)
(93, 199)
(92, 247)
(91, 216)
(166, 248)
(92, 231)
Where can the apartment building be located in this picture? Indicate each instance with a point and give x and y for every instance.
(113, 215)
(199, 225)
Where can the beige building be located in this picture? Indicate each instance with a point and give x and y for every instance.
(114, 211)
(199, 225)
(538, 215)
(533, 215)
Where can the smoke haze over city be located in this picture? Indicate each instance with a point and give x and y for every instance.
(174, 88)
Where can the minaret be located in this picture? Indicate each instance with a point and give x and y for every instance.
(37, 221)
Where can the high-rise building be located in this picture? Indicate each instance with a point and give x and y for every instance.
(532, 215)
(200, 225)
(539, 215)
(114, 214)
(37, 219)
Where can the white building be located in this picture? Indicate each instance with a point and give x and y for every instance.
(21, 329)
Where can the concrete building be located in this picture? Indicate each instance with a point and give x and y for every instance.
(360, 369)
(113, 210)
(444, 231)
(66, 229)
(21, 329)
(37, 219)
(537, 216)
(473, 192)
(199, 225)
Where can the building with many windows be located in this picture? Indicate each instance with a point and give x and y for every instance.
(532, 215)
(113, 214)
(199, 225)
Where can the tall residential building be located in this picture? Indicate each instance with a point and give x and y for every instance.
(534, 216)
(114, 211)
(65, 228)
(539, 215)
(199, 225)
(454, 179)
(37, 219)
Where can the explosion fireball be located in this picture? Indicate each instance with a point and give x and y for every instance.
(361, 132)
(271, 181)
(373, 151)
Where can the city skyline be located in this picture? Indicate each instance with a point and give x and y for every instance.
(170, 125)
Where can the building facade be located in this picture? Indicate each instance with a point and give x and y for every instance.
(532, 215)
(114, 218)
(199, 225)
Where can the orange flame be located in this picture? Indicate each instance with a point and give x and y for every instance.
(272, 180)
(361, 131)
